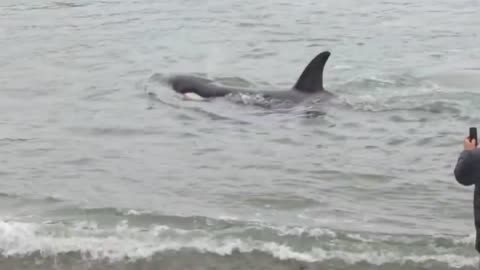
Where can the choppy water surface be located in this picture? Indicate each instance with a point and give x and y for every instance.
(103, 167)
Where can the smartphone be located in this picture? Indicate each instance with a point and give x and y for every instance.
(473, 135)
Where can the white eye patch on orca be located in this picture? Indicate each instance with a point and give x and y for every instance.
(192, 96)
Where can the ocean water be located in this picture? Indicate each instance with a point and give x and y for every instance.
(104, 167)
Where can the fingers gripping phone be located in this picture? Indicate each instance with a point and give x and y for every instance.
(473, 135)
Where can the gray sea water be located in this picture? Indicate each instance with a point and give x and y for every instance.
(103, 167)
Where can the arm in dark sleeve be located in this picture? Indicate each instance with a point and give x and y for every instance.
(467, 171)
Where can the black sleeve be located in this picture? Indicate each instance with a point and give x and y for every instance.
(467, 171)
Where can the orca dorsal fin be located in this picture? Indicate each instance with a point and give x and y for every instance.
(311, 79)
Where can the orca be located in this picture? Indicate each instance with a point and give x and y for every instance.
(309, 83)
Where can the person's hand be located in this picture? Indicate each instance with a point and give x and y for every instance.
(469, 145)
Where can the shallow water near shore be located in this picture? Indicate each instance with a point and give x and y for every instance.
(104, 167)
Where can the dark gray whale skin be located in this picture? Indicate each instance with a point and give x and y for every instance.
(309, 83)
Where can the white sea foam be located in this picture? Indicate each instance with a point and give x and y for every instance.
(17, 239)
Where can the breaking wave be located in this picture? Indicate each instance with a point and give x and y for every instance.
(242, 244)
